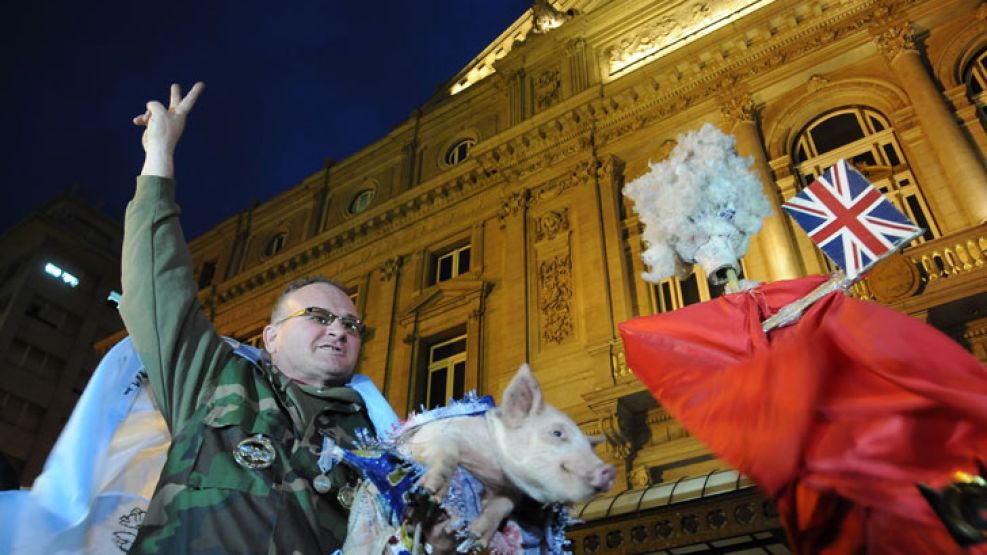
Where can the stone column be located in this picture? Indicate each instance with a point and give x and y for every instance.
(519, 97)
(774, 241)
(575, 52)
(967, 177)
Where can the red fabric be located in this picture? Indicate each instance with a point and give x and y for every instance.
(836, 417)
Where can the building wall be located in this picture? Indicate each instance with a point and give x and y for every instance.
(47, 327)
(564, 120)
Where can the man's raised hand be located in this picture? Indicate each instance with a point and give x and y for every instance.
(163, 129)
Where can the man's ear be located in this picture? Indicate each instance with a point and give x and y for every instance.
(270, 338)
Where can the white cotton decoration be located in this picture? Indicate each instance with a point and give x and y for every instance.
(701, 205)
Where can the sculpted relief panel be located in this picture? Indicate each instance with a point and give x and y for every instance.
(555, 298)
(547, 88)
(551, 224)
(675, 28)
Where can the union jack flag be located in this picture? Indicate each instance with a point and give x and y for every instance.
(849, 219)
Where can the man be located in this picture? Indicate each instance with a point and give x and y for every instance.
(243, 474)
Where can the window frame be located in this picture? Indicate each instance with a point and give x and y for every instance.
(454, 364)
(896, 182)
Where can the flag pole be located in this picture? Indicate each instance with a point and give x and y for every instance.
(838, 281)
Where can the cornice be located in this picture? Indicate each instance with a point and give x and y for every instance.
(583, 123)
(391, 216)
(711, 73)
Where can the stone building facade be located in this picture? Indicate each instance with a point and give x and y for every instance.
(57, 268)
(489, 228)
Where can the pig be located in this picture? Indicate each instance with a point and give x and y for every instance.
(524, 447)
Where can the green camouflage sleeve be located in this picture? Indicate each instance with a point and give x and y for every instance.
(160, 308)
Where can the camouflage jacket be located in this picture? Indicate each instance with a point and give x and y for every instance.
(207, 502)
(215, 403)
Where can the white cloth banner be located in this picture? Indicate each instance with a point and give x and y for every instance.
(94, 490)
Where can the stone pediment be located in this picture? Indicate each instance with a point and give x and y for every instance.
(445, 296)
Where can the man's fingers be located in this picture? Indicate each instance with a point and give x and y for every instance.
(188, 102)
(176, 97)
(154, 108)
(142, 119)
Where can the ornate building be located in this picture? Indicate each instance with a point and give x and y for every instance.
(489, 228)
(57, 267)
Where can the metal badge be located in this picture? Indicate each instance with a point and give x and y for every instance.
(255, 452)
(322, 483)
(345, 496)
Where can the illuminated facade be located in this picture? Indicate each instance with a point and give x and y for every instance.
(56, 269)
(489, 228)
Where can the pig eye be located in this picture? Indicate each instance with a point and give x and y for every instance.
(558, 433)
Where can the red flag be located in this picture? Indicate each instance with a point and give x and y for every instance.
(837, 417)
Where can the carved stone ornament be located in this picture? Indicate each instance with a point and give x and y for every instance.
(816, 82)
(671, 30)
(545, 17)
(894, 278)
(551, 224)
(547, 88)
(739, 108)
(640, 478)
(512, 205)
(895, 40)
(555, 292)
(390, 268)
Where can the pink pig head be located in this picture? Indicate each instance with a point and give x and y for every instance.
(542, 450)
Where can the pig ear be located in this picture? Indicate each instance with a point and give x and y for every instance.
(522, 398)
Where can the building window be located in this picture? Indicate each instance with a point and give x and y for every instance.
(20, 413)
(58, 273)
(361, 201)
(459, 151)
(206, 274)
(276, 244)
(451, 263)
(446, 371)
(673, 293)
(976, 84)
(864, 137)
(35, 362)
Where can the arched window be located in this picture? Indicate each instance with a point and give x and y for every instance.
(275, 244)
(361, 201)
(865, 138)
(975, 76)
(459, 151)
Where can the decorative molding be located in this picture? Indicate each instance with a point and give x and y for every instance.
(895, 40)
(555, 294)
(425, 203)
(547, 144)
(581, 174)
(739, 108)
(816, 82)
(547, 88)
(551, 224)
(512, 205)
(610, 171)
(681, 23)
(516, 201)
(639, 478)
(687, 84)
(390, 268)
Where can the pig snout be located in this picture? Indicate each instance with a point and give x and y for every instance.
(602, 478)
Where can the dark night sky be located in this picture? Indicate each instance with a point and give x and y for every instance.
(287, 85)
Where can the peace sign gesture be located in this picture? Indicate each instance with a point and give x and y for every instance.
(164, 127)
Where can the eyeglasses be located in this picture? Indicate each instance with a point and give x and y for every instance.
(325, 318)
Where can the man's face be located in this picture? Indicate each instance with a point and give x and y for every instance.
(307, 350)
